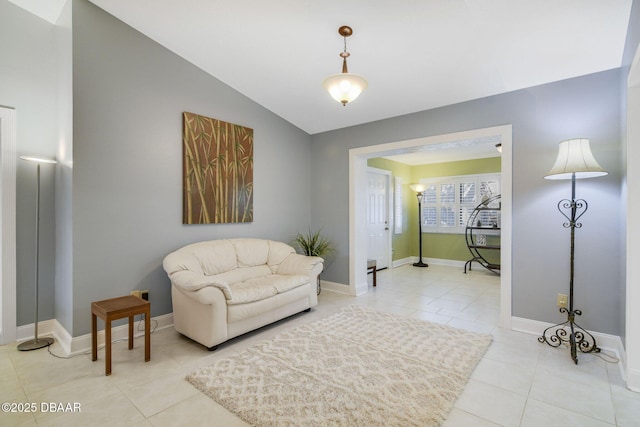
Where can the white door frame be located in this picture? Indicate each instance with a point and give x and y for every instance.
(358, 210)
(632, 314)
(389, 207)
(8, 225)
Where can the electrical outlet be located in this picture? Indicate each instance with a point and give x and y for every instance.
(144, 295)
(562, 300)
(136, 293)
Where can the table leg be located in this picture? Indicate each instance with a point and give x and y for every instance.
(130, 332)
(374, 276)
(147, 336)
(94, 338)
(107, 346)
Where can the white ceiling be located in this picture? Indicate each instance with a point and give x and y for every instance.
(416, 54)
(45, 9)
(467, 149)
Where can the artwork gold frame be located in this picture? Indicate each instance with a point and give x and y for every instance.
(217, 171)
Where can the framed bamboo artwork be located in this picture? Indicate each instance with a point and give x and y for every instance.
(217, 171)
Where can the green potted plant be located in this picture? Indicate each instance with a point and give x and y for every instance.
(314, 244)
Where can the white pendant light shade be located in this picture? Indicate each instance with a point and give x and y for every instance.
(575, 157)
(345, 87)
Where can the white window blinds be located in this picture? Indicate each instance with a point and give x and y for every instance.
(448, 201)
(397, 205)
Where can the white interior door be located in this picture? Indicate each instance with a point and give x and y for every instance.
(378, 233)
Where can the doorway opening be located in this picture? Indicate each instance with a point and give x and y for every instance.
(358, 204)
(379, 207)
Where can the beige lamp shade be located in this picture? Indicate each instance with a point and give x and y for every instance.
(418, 188)
(345, 87)
(38, 159)
(574, 157)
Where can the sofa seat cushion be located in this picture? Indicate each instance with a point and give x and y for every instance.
(241, 274)
(260, 288)
(245, 317)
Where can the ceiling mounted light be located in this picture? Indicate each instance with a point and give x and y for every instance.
(345, 87)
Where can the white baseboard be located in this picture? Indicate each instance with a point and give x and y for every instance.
(607, 342)
(435, 261)
(82, 344)
(64, 338)
(447, 262)
(404, 261)
(633, 380)
(334, 287)
(535, 327)
(27, 332)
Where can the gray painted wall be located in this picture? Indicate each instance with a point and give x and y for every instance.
(126, 180)
(26, 195)
(28, 84)
(128, 97)
(541, 117)
(64, 172)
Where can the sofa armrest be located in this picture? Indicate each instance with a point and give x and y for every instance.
(191, 282)
(300, 264)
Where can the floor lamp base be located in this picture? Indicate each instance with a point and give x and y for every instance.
(420, 264)
(35, 344)
(571, 334)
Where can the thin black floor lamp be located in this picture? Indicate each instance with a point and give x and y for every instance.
(37, 343)
(419, 189)
(574, 161)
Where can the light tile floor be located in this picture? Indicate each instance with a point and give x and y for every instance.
(519, 382)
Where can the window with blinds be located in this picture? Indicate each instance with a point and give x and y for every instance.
(397, 205)
(448, 202)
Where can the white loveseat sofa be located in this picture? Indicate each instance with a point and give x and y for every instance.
(224, 288)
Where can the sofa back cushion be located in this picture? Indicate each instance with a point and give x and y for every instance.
(214, 257)
(278, 251)
(251, 252)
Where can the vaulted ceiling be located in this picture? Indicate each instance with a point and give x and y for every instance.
(416, 54)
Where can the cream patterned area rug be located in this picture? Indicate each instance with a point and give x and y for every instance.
(358, 367)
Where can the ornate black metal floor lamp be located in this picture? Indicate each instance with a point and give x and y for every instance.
(574, 161)
(419, 189)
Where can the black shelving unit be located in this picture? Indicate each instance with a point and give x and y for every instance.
(482, 234)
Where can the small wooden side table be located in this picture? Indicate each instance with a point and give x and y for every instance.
(118, 308)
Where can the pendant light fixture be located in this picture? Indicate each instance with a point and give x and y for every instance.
(345, 87)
